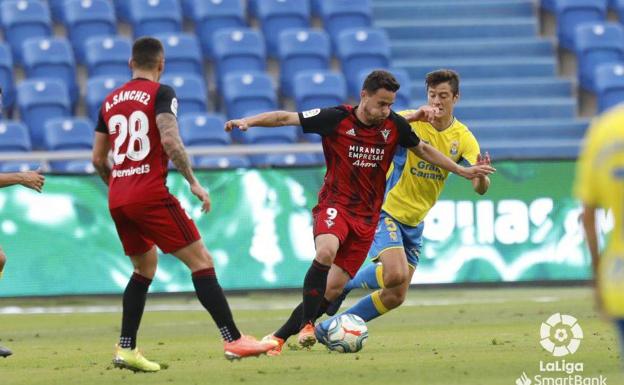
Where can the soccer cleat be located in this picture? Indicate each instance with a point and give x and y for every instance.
(247, 346)
(306, 336)
(277, 350)
(132, 359)
(4, 352)
(334, 306)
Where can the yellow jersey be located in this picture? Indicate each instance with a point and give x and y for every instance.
(600, 183)
(414, 185)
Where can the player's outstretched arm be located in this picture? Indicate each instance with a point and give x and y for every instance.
(481, 183)
(30, 179)
(172, 143)
(265, 119)
(435, 157)
(101, 147)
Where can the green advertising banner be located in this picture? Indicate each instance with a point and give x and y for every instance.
(260, 233)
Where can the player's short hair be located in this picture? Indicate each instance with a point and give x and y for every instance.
(442, 76)
(146, 52)
(380, 79)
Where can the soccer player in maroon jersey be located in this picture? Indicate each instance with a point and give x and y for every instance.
(30, 179)
(359, 144)
(138, 121)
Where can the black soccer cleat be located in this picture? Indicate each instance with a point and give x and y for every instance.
(4, 352)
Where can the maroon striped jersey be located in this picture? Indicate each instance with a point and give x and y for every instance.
(128, 116)
(357, 157)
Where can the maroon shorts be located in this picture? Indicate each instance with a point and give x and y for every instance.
(162, 222)
(355, 235)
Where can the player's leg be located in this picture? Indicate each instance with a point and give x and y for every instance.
(127, 355)
(389, 242)
(211, 296)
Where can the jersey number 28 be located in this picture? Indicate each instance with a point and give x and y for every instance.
(136, 125)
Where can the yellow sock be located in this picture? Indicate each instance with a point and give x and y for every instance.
(379, 275)
(379, 306)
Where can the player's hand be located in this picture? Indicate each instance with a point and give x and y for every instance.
(484, 160)
(476, 171)
(423, 114)
(202, 195)
(33, 180)
(240, 123)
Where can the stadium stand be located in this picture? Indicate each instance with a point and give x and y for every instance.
(69, 134)
(510, 90)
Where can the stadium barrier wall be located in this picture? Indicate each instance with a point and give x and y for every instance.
(526, 228)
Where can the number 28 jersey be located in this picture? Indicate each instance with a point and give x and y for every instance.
(128, 117)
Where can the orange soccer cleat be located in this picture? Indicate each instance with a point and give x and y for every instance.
(306, 336)
(277, 350)
(247, 346)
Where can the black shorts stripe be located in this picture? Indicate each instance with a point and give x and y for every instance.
(177, 217)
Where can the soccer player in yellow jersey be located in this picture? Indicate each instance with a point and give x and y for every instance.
(600, 183)
(412, 188)
(30, 179)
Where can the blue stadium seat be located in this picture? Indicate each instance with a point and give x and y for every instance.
(212, 15)
(340, 15)
(57, 10)
(183, 55)
(6, 76)
(318, 89)
(302, 49)
(207, 130)
(315, 7)
(88, 18)
(108, 56)
(618, 6)
(549, 5)
(191, 92)
(403, 98)
(279, 15)
(362, 49)
(247, 91)
(274, 135)
(51, 58)
(38, 101)
(14, 137)
(597, 43)
(122, 10)
(98, 88)
(238, 49)
(22, 20)
(150, 17)
(69, 134)
(609, 85)
(570, 13)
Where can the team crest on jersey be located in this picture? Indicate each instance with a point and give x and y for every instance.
(329, 223)
(385, 133)
(454, 146)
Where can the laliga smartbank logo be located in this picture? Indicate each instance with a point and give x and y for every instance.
(561, 335)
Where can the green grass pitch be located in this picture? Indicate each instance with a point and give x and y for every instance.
(441, 336)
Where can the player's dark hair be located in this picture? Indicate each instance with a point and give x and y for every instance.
(380, 79)
(435, 78)
(146, 52)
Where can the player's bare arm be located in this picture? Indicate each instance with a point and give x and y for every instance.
(101, 147)
(265, 119)
(435, 157)
(30, 179)
(422, 114)
(172, 143)
(481, 183)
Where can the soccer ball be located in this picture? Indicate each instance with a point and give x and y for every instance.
(347, 334)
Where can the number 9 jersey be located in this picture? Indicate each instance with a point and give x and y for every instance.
(128, 116)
